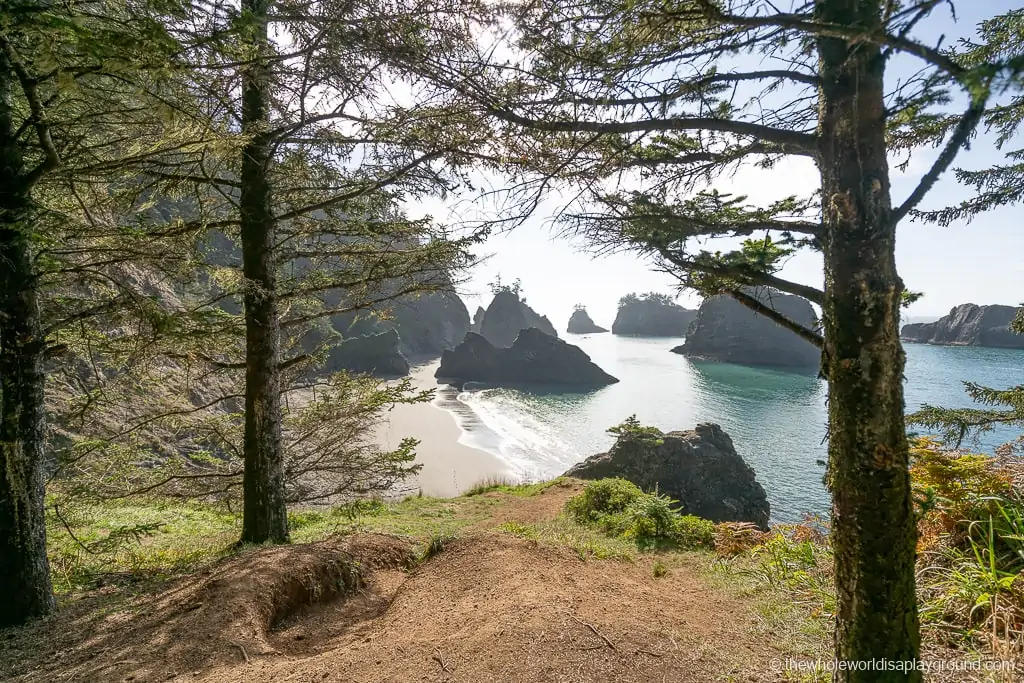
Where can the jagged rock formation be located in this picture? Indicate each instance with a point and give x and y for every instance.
(580, 323)
(478, 319)
(726, 330)
(969, 325)
(507, 315)
(699, 468)
(534, 359)
(427, 324)
(371, 354)
(645, 317)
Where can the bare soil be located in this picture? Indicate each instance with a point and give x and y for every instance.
(489, 607)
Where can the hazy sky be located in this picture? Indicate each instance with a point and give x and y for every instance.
(981, 263)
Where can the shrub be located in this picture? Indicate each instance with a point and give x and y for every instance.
(631, 428)
(603, 497)
(659, 570)
(620, 509)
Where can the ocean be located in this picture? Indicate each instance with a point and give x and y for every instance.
(776, 419)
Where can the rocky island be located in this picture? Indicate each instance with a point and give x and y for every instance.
(969, 325)
(580, 322)
(726, 330)
(699, 468)
(533, 359)
(507, 315)
(651, 315)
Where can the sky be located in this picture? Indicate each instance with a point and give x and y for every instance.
(981, 263)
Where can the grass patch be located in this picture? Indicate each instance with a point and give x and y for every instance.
(128, 541)
(564, 531)
(503, 485)
(93, 544)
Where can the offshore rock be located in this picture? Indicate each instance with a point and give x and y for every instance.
(726, 330)
(580, 323)
(699, 468)
(534, 359)
(969, 325)
(507, 315)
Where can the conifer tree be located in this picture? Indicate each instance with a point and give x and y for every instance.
(72, 123)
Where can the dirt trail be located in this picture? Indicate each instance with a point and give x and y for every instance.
(489, 607)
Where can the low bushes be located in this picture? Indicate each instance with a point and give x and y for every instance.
(620, 509)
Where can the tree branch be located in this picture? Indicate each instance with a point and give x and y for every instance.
(51, 158)
(963, 131)
(805, 143)
(801, 22)
(770, 313)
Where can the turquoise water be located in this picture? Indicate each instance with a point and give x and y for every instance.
(776, 419)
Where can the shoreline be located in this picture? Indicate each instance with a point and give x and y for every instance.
(450, 467)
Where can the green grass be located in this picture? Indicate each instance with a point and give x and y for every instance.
(130, 541)
(564, 531)
(134, 541)
(502, 485)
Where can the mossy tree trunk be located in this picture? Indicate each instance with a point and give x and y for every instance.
(264, 516)
(25, 584)
(873, 528)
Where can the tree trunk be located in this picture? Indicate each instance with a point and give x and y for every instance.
(264, 516)
(24, 570)
(873, 527)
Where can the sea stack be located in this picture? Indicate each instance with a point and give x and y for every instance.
(726, 330)
(699, 468)
(580, 322)
(651, 315)
(507, 315)
(534, 359)
(969, 325)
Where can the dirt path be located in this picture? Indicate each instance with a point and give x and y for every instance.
(489, 607)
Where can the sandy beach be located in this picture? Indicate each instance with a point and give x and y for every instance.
(449, 467)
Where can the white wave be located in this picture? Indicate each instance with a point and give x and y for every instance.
(524, 440)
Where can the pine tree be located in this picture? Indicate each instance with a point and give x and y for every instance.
(663, 99)
(307, 161)
(71, 126)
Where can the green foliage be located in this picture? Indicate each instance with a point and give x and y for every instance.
(620, 509)
(631, 429)
(658, 570)
(633, 299)
(497, 286)
(799, 565)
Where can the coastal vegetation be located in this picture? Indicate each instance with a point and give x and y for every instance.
(190, 192)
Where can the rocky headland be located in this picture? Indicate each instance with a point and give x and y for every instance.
(534, 359)
(427, 324)
(372, 354)
(580, 323)
(700, 468)
(726, 330)
(651, 315)
(969, 325)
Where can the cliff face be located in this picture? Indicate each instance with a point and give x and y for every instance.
(969, 325)
(374, 354)
(580, 323)
(507, 316)
(427, 325)
(726, 330)
(647, 318)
